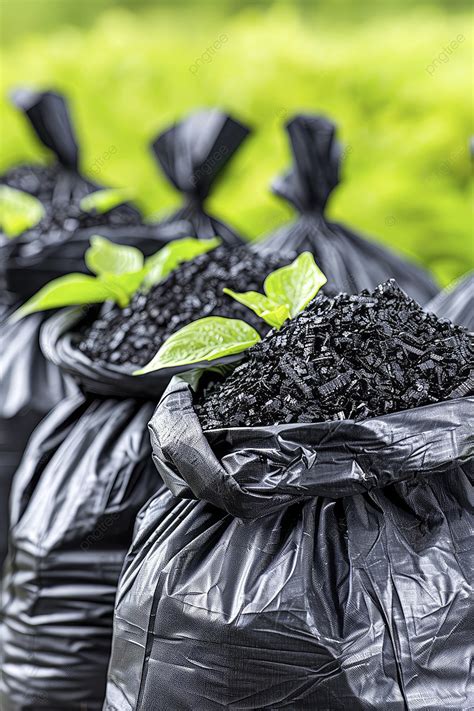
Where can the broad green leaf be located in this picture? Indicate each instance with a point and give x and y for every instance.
(173, 254)
(296, 284)
(274, 314)
(70, 290)
(105, 257)
(203, 340)
(102, 201)
(19, 211)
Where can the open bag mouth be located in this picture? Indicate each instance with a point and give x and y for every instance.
(59, 337)
(253, 471)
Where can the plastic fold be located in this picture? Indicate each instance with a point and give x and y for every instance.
(192, 154)
(456, 302)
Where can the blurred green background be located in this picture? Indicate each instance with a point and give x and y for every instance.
(384, 70)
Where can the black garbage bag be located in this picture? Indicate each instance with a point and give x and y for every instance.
(57, 244)
(86, 472)
(30, 386)
(456, 302)
(306, 566)
(350, 261)
(192, 153)
(50, 248)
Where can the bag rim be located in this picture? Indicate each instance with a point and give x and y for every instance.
(57, 341)
(252, 471)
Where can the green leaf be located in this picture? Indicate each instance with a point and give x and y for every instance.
(106, 258)
(105, 200)
(277, 317)
(19, 211)
(69, 290)
(274, 314)
(168, 258)
(127, 283)
(287, 291)
(203, 340)
(253, 300)
(296, 284)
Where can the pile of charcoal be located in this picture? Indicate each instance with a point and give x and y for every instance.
(61, 192)
(38, 180)
(348, 357)
(132, 336)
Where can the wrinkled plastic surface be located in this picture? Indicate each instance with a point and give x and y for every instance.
(350, 262)
(192, 154)
(456, 302)
(315, 566)
(29, 387)
(85, 474)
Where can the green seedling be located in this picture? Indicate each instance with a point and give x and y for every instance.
(119, 272)
(287, 292)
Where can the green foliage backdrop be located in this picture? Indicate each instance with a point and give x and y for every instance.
(391, 78)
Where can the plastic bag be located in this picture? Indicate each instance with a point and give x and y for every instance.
(192, 153)
(36, 256)
(308, 566)
(350, 262)
(57, 244)
(456, 302)
(30, 386)
(86, 472)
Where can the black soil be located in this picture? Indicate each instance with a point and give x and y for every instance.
(348, 357)
(132, 336)
(61, 192)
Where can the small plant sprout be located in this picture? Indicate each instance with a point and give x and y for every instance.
(287, 292)
(119, 271)
(19, 211)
